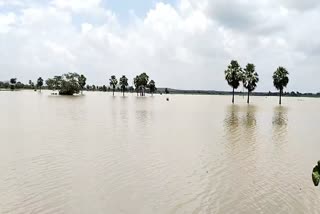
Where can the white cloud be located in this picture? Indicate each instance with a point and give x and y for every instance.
(187, 45)
(76, 4)
(6, 22)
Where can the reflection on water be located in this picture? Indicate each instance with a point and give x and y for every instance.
(280, 123)
(250, 117)
(280, 117)
(231, 121)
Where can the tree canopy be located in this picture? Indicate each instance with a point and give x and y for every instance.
(233, 74)
(250, 77)
(67, 84)
(280, 78)
(123, 83)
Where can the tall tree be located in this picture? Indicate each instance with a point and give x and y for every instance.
(113, 83)
(152, 87)
(123, 83)
(13, 82)
(39, 83)
(143, 81)
(280, 80)
(136, 82)
(82, 82)
(31, 84)
(250, 79)
(233, 76)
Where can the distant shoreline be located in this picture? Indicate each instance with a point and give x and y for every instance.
(204, 92)
(259, 94)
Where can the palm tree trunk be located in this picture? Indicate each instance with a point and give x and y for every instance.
(280, 96)
(123, 92)
(248, 101)
(232, 95)
(113, 92)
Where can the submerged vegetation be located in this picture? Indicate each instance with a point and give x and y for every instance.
(316, 174)
(67, 84)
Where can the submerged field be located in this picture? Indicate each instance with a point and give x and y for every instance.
(194, 154)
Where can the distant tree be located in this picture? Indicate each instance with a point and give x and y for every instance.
(166, 91)
(19, 85)
(233, 76)
(67, 84)
(93, 87)
(104, 88)
(31, 84)
(50, 84)
(136, 82)
(131, 89)
(280, 80)
(39, 83)
(152, 87)
(143, 80)
(13, 82)
(82, 82)
(123, 83)
(88, 87)
(250, 79)
(113, 83)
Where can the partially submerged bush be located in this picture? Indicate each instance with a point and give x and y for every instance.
(316, 174)
(67, 84)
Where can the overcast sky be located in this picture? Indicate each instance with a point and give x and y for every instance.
(183, 44)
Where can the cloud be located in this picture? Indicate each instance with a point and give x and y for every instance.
(185, 45)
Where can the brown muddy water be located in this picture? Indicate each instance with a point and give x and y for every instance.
(194, 154)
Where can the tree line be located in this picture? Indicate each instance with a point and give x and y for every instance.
(234, 75)
(73, 83)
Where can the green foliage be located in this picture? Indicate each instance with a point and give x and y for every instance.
(123, 82)
(113, 81)
(152, 86)
(67, 84)
(13, 82)
(141, 83)
(39, 83)
(82, 81)
(280, 78)
(316, 174)
(233, 74)
(250, 77)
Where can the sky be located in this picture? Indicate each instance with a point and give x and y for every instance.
(184, 44)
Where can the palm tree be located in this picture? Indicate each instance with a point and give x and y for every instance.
(123, 83)
(233, 76)
(39, 83)
(152, 87)
(113, 83)
(250, 79)
(82, 82)
(280, 80)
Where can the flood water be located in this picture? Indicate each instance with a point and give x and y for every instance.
(194, 154)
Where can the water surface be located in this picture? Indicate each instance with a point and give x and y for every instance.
(194, 154)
